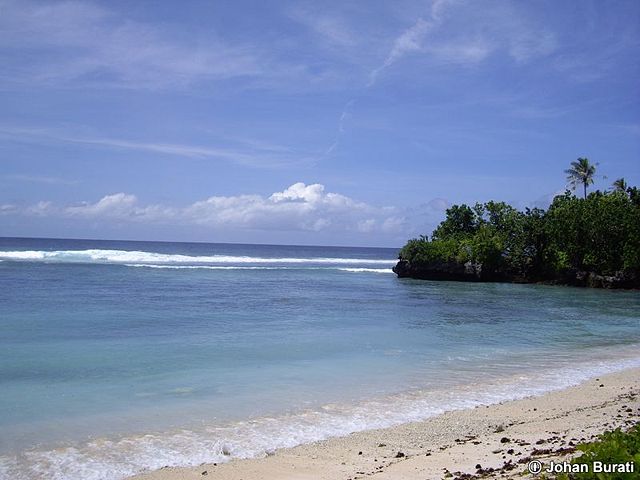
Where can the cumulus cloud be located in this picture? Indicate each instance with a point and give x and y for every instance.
(300, 207)
(116, 205)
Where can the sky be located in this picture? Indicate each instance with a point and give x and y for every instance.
(304, 122)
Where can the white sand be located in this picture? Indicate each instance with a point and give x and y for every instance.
(454, 442)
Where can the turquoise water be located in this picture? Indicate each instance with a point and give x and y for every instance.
(117, 357)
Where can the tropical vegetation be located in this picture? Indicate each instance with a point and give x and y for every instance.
(575, 241)
(581, 173)
(611, 448)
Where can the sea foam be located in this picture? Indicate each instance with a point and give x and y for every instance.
(113, 459)
(238, 267)
(142, 257)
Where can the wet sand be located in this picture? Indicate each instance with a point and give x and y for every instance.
(493, 441)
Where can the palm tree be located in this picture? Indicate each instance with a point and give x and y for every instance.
(620, 185)
(581, 172)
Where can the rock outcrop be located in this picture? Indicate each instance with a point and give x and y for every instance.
(473, 272)
(467, 272)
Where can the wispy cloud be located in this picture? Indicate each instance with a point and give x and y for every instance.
(346, 112)
(80, 42)
(431, 35)
(467, 33)
(39, 179)
(411, 40)
(331, 28)
(248, 152)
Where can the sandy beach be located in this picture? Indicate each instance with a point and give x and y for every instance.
(494, 441)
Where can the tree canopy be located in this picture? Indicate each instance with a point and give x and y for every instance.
(599, 233)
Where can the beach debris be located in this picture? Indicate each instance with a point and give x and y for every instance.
(499, 428)
(505, 440)
(204, 473)
(400, 455)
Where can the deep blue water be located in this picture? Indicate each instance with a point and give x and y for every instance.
(169, 352)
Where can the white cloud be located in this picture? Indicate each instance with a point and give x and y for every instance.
(453, 32)
(39, 179)
(299, 207)
(249, 155)
(41, 208)
(120, 205)
(344, 116)
(71, 41)
(331, 28)
(409, 41)
(300, 191)
(242, 151)
(9, 209)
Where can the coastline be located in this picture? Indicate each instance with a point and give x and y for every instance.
(499, 437)
(473, 272)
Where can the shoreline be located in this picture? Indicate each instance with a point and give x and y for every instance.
(472, 273)
(499, 437)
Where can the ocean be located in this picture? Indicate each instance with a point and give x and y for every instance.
(119, 356)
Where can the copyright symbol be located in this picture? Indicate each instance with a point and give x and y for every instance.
(534, 467)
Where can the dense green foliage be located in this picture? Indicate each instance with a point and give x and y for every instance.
(616, 447)
(598, 234)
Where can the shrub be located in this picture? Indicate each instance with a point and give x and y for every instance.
(611, 447)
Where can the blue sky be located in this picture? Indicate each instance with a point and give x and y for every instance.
(346, 123)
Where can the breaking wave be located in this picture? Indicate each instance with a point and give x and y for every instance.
(109, 459)
(163, 259)
(238, 267)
